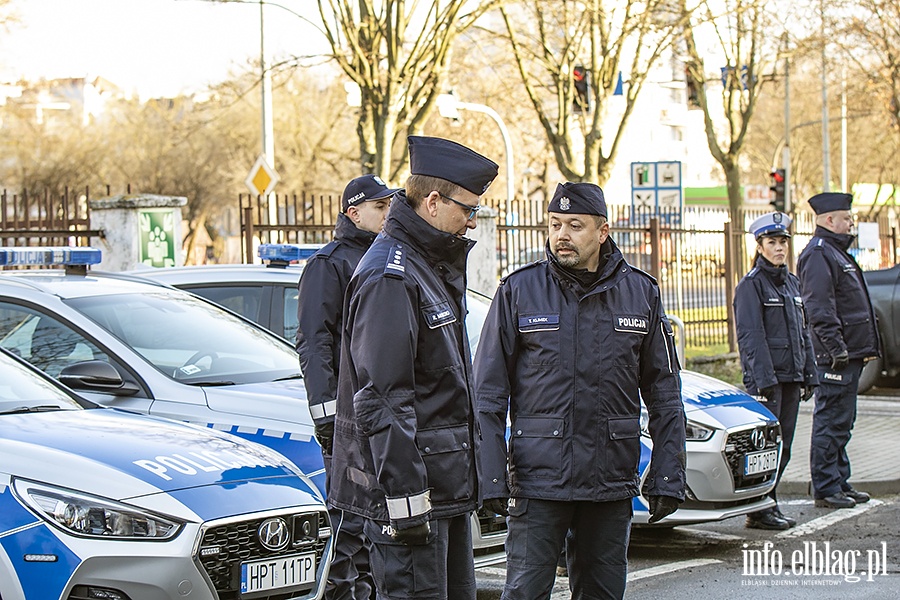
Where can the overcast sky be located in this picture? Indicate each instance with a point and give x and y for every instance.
(153, 47)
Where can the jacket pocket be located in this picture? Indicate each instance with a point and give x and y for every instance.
(780, 350)
(857, 332)
(623, 448)
(447, 454)
(536, 448)
(539, 334)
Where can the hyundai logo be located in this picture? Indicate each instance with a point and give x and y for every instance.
(758, 438)
(274, 534)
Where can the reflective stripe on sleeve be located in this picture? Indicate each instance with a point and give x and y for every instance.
(409, 506)
(326, 409)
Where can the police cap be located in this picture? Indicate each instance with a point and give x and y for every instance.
(363, 189)
(578, 199)
(447, 160)
(830, 201)
(773, 224)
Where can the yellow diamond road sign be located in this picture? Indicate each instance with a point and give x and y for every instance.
(262, 177)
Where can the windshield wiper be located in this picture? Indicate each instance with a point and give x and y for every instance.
(31, 409)
(210, 383)
(289, 377)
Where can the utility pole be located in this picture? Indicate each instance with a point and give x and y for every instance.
(268, 130)
(826, 152)
(786, 152)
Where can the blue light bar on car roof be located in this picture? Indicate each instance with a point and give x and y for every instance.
(49, 255)
(287, 252)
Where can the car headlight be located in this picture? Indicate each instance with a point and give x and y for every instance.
(90, 516)
(695, 432)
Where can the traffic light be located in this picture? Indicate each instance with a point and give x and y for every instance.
(778, 187)
(582, 101)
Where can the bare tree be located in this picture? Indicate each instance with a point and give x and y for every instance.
(550, 39)
(743, 37)
(397, 52)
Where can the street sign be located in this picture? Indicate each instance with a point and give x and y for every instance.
(262, 178)
(656, 186)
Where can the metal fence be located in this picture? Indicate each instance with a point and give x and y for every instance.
(47, 219)
(697, 254)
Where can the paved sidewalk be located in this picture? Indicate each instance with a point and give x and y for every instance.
(874, 449)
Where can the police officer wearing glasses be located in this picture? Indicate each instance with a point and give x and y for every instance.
(568, 345)
(405, 436)
(364, 205)
(844, 336)
(773, 340)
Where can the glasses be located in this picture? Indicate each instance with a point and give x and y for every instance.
(473, 210)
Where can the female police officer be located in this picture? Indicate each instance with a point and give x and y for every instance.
(776, 352)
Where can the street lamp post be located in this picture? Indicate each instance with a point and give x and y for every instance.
(449, 107)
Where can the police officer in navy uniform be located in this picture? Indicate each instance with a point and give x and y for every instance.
(773, 340)
(364, 205)
(405, 436)
(569, 347)
(844, 336)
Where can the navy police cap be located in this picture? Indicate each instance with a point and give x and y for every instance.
(363, 189)
(447, 160)
(773, 224)
(578, 199)
(827, 202)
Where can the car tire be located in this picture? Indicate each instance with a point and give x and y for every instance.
(871, 373)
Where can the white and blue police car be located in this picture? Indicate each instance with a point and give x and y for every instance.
(733, 441)
(100, 503)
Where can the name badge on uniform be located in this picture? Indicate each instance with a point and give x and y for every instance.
(542, 322)
(631, 324)
(438, 315)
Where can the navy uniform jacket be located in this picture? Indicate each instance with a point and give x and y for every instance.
(567, 363)
(319, 312)
(405, 429)
(836, 299)
(772, 330)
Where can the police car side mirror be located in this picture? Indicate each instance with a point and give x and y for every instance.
(96, 376)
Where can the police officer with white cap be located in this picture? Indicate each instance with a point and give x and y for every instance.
(844, 336)
(364, 205)
(776, 352)
(405, 436)
(570, 346)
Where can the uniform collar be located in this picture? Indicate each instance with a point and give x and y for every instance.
(841, 240)
(346, 231)
(777, 274)
(610, 259)
(404, 224)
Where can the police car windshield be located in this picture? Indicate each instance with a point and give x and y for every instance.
(22, 390)
(191, 340)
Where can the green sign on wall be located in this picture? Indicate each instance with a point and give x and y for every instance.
(157, 237)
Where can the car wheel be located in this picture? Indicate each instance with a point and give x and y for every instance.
(871, 373)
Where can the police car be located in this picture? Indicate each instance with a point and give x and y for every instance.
(733, 441)
(98, 503)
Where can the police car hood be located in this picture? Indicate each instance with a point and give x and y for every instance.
(282, 404)
(121, 456)
(715, 403)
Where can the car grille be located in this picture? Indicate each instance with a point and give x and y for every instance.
(224, 546)
(739, 443)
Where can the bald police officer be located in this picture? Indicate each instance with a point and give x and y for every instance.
(844, 336)
(773, 340)
(364, 204)
(405, 437)
(568, 344)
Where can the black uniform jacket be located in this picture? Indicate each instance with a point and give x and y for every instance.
(404, 445)
(567, 363)
(772, 330)
(836, 299)
(319, 311)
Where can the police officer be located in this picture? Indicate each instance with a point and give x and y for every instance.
(405, 426)
(364, 205)
(773, 339)
(844, 336)
(568, 344)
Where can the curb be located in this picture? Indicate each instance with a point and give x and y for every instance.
(885, 487)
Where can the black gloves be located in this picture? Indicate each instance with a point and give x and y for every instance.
(325, 436)
(767, 392)
(412, 536)
(661, 506)
(840, 361)
(807, 392)
(497, 506)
